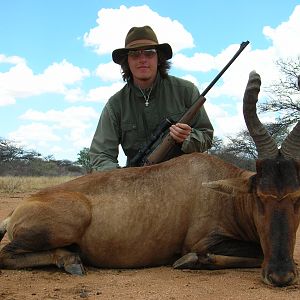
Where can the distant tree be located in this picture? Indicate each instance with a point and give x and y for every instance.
(17, 161)
(242, 145)
(84, 159)
(10, 151)
(217, 145)
(284, 98)
(236, 151)
(284, 95)
(49, 157)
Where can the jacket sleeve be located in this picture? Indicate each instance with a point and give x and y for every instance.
(104, 149)
(201, 136)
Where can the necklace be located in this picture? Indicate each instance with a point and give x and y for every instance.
(146, 97)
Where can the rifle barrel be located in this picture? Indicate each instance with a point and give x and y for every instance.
(166, 145)
(243, 45)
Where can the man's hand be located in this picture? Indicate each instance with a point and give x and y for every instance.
(179, 132)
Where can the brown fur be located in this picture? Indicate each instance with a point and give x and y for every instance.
(150, 216)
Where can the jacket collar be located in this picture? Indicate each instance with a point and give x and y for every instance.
(137, 91)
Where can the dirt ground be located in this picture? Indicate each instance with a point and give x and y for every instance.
(152, 283)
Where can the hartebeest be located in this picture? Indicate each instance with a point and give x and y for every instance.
(195, 210)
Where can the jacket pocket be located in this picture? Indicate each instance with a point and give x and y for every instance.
(129, 135)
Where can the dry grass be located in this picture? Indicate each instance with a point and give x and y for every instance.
(11, 184)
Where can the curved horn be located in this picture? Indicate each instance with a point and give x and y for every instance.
(265, 144)
(290, 147)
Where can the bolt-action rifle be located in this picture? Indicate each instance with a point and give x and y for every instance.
(143, 158)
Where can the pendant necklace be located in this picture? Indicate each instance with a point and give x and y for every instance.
(146, 97)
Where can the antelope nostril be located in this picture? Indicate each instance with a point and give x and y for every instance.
(281, 279)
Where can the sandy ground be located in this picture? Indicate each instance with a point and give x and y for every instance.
(151, 283)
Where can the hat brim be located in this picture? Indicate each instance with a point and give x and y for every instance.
(118, 55)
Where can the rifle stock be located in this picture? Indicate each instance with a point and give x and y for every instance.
(168, 142)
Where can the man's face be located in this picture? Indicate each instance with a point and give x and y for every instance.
(143, 65)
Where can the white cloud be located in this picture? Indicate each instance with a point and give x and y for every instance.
(108, 35)
(74, 95)
(191, 78)
(109, 72)
(6, 99)
(20, 81)
(233, 81)
(71, 117)
(72, 127)
(58, 75)
(103, 93)
(285, 44)
(225, 123)
(285, 37)
(56, 151)
(34, 133)
(204, 62)
(48, 131)
(11, 59)
(198, 62)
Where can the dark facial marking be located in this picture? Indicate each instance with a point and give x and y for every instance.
(277, 176)
(280, 261)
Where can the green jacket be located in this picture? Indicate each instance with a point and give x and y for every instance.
(127, 121)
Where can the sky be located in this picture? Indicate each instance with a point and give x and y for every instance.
(56, 71)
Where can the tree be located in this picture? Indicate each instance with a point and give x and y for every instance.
(242, 145)
(283, 98)
(17, 161)
(84, 159)
(9, 151)
(237, 151)
(284, 95)
(217, 146)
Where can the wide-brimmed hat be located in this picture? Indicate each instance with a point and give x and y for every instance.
(141, 37)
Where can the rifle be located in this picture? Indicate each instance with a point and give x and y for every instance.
(161, 151)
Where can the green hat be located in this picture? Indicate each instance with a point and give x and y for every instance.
(140, 37)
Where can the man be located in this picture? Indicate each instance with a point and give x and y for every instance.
(149, 97)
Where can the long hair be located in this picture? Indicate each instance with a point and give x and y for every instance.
(163, 67)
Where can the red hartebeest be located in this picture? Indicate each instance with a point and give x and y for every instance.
(195, 210)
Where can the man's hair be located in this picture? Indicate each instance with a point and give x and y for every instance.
(163, 67)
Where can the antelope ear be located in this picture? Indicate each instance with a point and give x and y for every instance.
(230, 186)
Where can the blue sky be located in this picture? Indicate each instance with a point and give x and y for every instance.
(56, 71)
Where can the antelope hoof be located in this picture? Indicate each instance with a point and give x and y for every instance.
(187, 261)
(75, 269)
